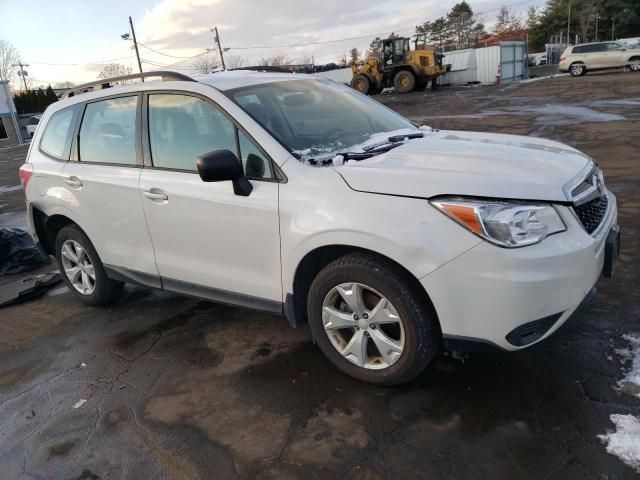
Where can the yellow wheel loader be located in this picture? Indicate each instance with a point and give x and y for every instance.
(400, 67)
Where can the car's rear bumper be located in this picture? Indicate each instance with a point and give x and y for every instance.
(512, 298)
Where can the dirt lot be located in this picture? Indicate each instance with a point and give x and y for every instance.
(181, 388)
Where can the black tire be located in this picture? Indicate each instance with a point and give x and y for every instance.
(421, 86)
(375, 90)
(106, 290)
(634, 64)
(404, 81)
(361, 84)
(422, 332)
(578, 70)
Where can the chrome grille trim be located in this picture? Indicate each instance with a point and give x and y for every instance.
(588, 195)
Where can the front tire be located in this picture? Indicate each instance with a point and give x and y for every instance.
(404, 81)
(371, 320)
(82, 269)
(634, 66)
(361, 83)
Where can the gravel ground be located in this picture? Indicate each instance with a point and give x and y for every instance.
(181, 388)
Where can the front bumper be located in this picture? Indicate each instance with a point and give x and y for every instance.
(487, 293)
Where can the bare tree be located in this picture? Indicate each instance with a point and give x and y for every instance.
(278, 60)
(235, 61)
(586, 17)
(113, 70)
(354, 55)
(66, 84)
(206, 63)
(9, 56)
(305, 60)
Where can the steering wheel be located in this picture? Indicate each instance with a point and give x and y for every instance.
(331, 133)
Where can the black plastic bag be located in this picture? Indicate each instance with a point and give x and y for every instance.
(18, 253)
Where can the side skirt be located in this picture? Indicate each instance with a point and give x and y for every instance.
(193, 290)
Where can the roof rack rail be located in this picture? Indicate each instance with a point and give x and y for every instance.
(107, 82)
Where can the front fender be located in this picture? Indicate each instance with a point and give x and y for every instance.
(318, 209)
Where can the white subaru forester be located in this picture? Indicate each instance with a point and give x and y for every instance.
(298, 196)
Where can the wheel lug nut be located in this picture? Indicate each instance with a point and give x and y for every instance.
(373, 327)
(355, 317)
(365, 316)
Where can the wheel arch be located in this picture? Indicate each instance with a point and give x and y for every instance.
(407, 67)
(313, 262)
(47, 227)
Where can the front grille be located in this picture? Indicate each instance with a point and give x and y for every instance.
(592, 213)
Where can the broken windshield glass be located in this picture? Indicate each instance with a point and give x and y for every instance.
(316, 119)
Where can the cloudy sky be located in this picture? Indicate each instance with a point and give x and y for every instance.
(71, 40)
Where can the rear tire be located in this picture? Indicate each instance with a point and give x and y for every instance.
(415, 334)
(578, 70)
(404, 81)
(361, 83)
(82, 269)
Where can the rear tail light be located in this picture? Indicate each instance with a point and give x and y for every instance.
(563, 58)
(25, 171)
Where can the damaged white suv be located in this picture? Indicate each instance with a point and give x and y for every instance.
(298, 196)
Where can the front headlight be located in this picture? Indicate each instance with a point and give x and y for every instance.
(506, 223)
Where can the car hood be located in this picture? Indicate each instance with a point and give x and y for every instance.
(469, 163)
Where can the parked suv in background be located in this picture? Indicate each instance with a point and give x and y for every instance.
(299, 196)
(579, 59)
(32, 125)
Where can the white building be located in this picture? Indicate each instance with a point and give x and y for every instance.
(9, 127)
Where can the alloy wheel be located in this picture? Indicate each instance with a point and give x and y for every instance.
(78, 267)
(363, 326)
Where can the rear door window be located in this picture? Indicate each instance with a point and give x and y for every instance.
(56, 138)
(108, 131)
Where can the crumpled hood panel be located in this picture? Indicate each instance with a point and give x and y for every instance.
(469, 163)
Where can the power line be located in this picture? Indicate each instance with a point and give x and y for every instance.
(160, 53)
(254, 47)
(293, 45)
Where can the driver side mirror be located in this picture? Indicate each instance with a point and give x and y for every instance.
(222, 165)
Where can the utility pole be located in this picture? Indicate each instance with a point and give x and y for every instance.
(22, 73)
(569, 24)
(597, 18)
(215, 30)
(613, 28)
(135, 44)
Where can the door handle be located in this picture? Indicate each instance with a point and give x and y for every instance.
(155, 195)
(73, 181)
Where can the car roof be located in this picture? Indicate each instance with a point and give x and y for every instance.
(221, 81)
(595, 43)
(245, 78)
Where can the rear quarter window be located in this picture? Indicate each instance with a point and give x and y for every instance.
(56, 137)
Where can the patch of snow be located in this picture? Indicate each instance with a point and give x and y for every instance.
(545, 77)
(624, 443)
(631, 382)
(79, 403)
(330, 154)
(12, 188)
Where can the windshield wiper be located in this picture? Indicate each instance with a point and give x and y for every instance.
(369, 151)
(393, 140)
